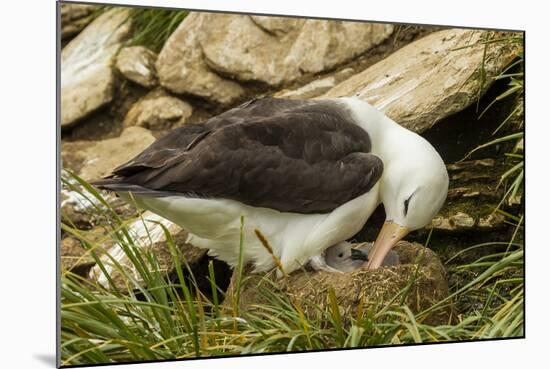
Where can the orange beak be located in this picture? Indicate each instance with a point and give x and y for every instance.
(389, 235)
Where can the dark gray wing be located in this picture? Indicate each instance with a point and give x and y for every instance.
(304, 158)
(185, 137)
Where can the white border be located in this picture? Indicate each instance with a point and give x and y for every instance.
(27, 118)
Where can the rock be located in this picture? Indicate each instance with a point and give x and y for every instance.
(316, 87)
(208, 51)
(181, 67)
(279, 50)
(94, 160)
(235, 45)
(87, 79)
(420, 268)
(74, 17)
(478, 164)
(277, 26)
(491, 221)
(149, 236)
(458, 221)
(322, 45)
(158, 111)
(472, 198)
(429, 79)
(137, 63)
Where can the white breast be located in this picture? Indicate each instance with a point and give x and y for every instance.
(215, 224)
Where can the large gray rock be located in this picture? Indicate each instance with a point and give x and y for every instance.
(235, 45)
(137, 63)
(87, 79)
(181, 67)
(473, 197)
(279, 50)
(430, 78)
(208, 51)
(158, 111)
(322, 45)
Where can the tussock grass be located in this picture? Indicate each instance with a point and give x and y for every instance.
(160, 319)
(152, 27)
(514, 121)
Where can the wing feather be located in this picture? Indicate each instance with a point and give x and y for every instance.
(289, 155)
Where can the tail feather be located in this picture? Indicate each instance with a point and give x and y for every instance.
(117, 184)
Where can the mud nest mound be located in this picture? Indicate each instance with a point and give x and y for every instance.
(419, 282)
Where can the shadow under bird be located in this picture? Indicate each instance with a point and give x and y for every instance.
(306, 173)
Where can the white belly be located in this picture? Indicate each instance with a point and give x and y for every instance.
(215, 224)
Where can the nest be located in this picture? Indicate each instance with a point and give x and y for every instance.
(419, 282)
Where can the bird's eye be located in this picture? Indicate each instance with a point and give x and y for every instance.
(406, 204)
(340, 254)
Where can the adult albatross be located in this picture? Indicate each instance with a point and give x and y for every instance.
(306, 173)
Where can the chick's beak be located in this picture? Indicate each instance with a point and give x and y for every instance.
(359, 255)
(389, 235)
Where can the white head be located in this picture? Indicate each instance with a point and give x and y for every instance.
(413, 189)
(414, 182)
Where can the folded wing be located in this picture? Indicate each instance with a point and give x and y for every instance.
(288, 155)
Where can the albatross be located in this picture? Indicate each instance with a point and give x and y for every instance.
(307, 174)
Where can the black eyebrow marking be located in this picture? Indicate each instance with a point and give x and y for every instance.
(409, 199)
(407, 203)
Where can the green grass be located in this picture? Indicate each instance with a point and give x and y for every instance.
(513, 123)
(152, 27)
(169, 320)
